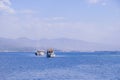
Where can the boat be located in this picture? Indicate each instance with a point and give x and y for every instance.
(40, 53)
(50, 53)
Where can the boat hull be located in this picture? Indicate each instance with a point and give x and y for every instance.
(50, 55)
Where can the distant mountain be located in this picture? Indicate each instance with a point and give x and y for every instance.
(64, 44)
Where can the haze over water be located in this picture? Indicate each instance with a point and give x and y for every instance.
(96, 21)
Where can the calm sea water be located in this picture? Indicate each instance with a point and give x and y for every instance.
(65, 66)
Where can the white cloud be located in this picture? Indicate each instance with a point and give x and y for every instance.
(5, 6)
(26, 11)
(102, 2)
(54, 19)
(93, 1)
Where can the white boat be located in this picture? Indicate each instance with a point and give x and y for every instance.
(50, 53)
(40, 53)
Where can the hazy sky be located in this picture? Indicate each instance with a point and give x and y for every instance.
(89, 20)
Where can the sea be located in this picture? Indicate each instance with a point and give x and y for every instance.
(65, 66)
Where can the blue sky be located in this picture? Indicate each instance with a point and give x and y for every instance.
(89, 20)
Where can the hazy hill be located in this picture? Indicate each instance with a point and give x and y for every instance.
(24, 44)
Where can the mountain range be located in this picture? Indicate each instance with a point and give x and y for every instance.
(64, 44)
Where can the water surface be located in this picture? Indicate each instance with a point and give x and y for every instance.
(65, 66)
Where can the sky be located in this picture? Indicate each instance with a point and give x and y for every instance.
(89, 20)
